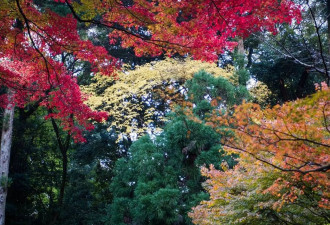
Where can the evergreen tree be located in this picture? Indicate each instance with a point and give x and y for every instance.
(159, 180)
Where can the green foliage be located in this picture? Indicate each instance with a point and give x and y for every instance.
(241, 72)
(286, 79)
(54, 6)
(291, 62)
(146, 183)
(204, 87)
(35, 170)
(90, 174)
(159, 180)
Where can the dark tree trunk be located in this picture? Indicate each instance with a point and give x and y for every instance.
(63, 146)
(283, 91)
(301, 84)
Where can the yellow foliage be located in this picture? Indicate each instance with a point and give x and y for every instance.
(260, 92)
(140, 84)
(88, 9)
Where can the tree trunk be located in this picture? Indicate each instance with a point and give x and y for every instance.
(64, 176)
(283, 91)
(301, 84)
(240, 46)
(63, 146)
(6, 139)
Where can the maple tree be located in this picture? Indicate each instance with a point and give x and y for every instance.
(284, 154)
(138, 99)
(32, 38)
(238, 196)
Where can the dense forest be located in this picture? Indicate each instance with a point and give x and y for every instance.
(171, 112)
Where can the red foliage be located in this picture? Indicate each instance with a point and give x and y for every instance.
(31, 40)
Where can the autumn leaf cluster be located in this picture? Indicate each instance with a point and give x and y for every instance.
(283, 166)
(124, 98)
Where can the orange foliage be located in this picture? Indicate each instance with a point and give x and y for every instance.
(293, 138)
